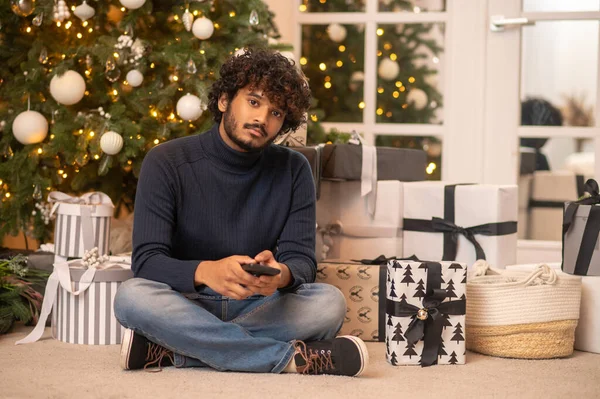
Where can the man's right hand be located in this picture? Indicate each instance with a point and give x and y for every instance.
(226, 276)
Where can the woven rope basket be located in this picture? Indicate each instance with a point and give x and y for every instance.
(517, 314)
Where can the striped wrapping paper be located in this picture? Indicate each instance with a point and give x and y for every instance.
(89, 318)
(68, 231)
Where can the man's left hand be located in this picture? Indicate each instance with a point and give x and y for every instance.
(269, 284)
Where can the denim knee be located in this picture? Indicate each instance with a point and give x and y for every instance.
(134, 299)
(331, 308)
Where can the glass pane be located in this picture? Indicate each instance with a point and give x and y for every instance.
(409, 73)
(412, 5)
(332, 6)
(333, 60)
(561, 5)
(552, 171)
(432, 145)
(559, 73)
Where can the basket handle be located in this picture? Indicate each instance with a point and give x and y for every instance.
(541, 274)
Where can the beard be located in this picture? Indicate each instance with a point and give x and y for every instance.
(231, 129)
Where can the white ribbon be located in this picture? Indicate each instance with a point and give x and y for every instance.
(93, 198)
(368, 178)
(61, 275)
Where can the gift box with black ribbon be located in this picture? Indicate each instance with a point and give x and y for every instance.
(346, 229)
(425, 312)
(461, 222)
(549, 192)
(359, 281)
(581, 231)
(345, 161)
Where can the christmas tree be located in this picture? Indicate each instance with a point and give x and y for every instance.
(407, 88)
(87, 90)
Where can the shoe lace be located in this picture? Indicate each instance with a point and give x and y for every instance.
(155, 355)
(317, 361)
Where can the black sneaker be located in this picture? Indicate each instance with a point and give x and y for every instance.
(138, 352)
(344, 355)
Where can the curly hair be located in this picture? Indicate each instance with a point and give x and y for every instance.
(282, 83)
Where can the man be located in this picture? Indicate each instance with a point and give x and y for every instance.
(208, 204)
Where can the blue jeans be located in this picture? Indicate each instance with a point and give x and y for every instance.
(203, 329)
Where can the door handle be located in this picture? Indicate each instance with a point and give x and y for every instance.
(498, 23)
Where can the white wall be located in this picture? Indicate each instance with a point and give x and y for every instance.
(284, 12)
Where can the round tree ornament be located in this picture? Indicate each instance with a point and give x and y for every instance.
(67, 89)
(23, 8)
(132, 4)
(84, 11)
(111, 143)
(189, 107)
(134, 77)
(417, 97)
(388, 69)
(30, 127)
(203, 28)
(336, 32)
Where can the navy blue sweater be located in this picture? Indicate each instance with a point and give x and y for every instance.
(198, 199)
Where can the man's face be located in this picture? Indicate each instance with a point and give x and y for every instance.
(250, 121)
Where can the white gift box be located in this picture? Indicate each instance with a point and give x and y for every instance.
(549, 192)
(347, 228)
(82, 223)
(426, 303)
(587, 333)
(82, 302)
(524, 197)
(434, 211)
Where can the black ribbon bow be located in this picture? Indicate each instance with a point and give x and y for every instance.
(427, 321)
(381, 259)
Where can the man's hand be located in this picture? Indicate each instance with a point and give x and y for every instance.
(268, 284)
(227, 277)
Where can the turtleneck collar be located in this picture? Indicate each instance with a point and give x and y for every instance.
(220, 152)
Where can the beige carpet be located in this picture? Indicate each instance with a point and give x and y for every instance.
(52, 369)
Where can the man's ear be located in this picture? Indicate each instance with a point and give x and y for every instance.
(223, 101)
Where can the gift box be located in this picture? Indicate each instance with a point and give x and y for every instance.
(462, 222)
(313, 155)
(344, 161)
(346, 227)
(81, 300)
(587, 333)
(581, 231)
(82, 223)
(360, 284)
(524, 196)
(425, 312)
(549, 192)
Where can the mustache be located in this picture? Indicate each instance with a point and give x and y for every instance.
(256, 126)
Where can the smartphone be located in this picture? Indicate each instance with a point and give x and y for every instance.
(260, 269)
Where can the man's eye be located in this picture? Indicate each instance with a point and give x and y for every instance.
(277, 114)
(253, 102)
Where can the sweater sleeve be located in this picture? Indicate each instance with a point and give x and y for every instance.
(296, 246)
(155, 216)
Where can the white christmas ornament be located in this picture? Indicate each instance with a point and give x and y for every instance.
(67, 89)
(418, 97)
(30, 127)
(203, 28)
(84, 11)
(188, 19)
(356, 79)
(336, 32)
(61, 11)
(132, 4)
(111, 143)
(189, 107)
(388, 69)
(239, 52)
(134, 77)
